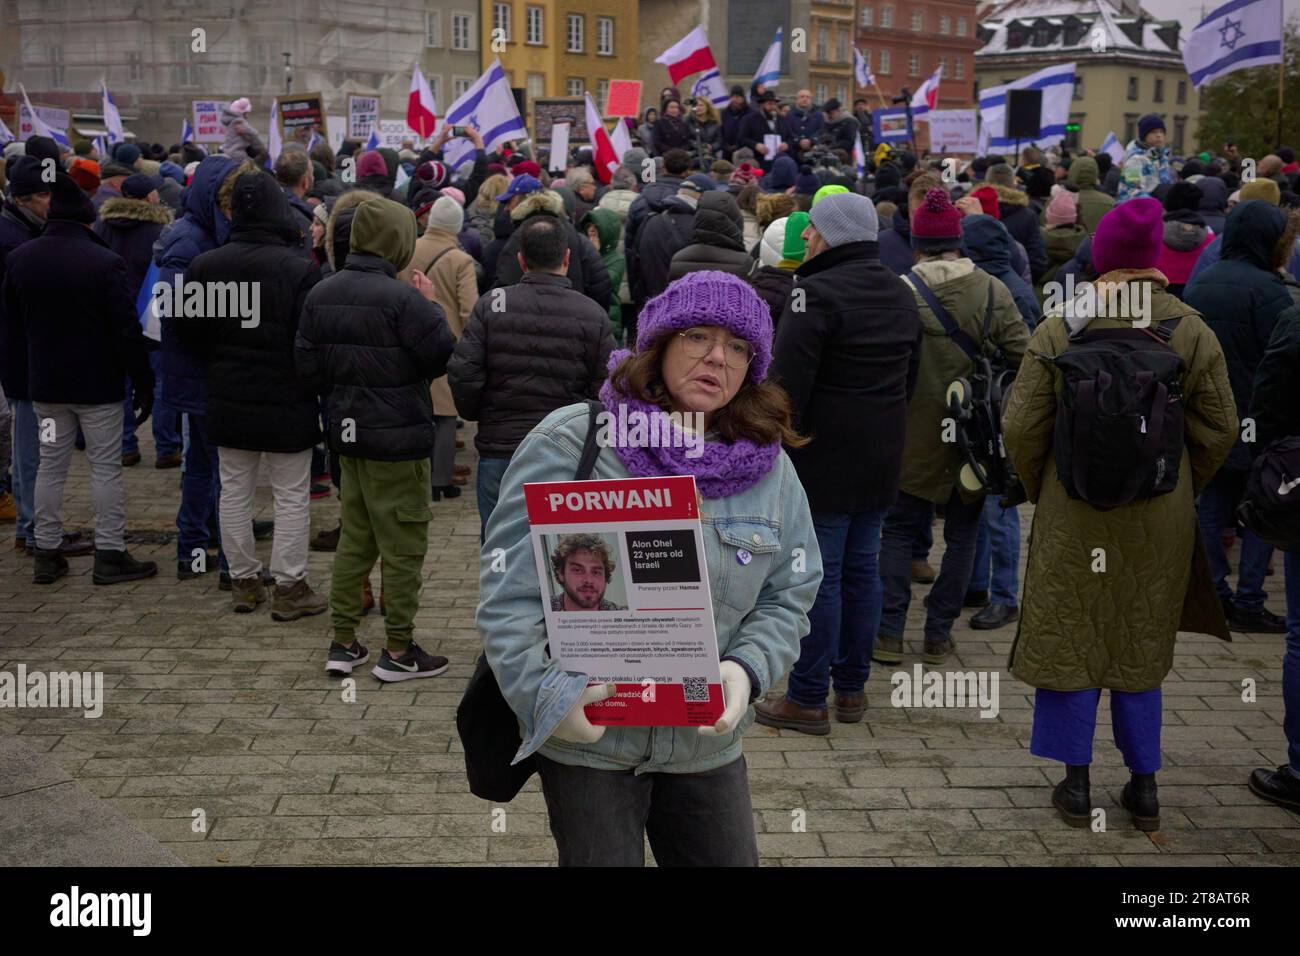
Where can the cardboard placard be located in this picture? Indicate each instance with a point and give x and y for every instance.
(298, 110)
(363, 115)
(53, 116)
(206, 120)
(952, 130)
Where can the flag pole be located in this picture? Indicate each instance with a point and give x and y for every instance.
(883, 104)
(1281, 74)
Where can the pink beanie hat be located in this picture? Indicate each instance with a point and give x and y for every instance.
(1063, 210)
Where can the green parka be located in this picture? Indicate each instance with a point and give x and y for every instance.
(610, 229)
(1093, 203)
(1083, 627)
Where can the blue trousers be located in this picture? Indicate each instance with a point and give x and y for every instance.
(166, 434)
(1065, 723)
(1216, 509)
(488, 489)
(27, 458)
(1291, 662)
(846, 615)
(997, 546)
(200, 493)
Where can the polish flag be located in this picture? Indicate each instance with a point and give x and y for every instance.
(607, 159)
(420, 108)
(690, 54)
(927, 97)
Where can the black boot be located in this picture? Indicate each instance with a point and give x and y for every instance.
(1139, 798)
(1281, 786)
(50, 566)
(1071, 797)
(115, 567)
(445, 491)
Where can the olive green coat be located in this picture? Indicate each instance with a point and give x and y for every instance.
(1093, 203)
(930, 464)
(1083, 627)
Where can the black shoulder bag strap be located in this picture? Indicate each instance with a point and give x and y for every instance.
(429, 267)
(964, 341)
(590, 447)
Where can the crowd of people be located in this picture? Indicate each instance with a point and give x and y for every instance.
(815, 317)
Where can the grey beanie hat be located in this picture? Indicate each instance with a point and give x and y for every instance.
(1000, 174)
(845, 217)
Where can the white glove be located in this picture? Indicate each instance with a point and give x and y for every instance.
(736, 689)
(575, 727)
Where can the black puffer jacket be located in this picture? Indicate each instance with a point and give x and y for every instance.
(717, 239)
(773, 286)
(255, 400)
(659, 240)
(376, 344)
(587, 272)
(545, 349)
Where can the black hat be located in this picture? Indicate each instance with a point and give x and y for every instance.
(25, 176)
(42, 147)
(140, 185)
(68, 202)
(831, 105)
(767, 96)
(737, 90)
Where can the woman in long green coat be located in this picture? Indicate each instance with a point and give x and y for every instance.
(1107, 591)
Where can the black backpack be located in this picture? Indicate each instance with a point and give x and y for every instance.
(488, 728)
(1270, 506)
(976, 403)
(1119, 417)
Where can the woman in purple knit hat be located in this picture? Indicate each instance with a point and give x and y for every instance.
(703, 348)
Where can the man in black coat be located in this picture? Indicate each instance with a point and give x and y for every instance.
(653, 199)
(131, 224)
(529, 349)
(257, 406)
(733, 114)
(66, 295)
(664, 234)
(377, 344)
(847, 351)
(586, 270)
(764, 122)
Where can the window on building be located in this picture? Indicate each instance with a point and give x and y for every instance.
(1130, 127)
(574, 86)
(501, 20)
(866, 57)
(821, 93)
(959, 69)
(534, 34)
(1042, 35)
(1132, 87)
(435, 87)
(433, 28)
(1159, 93)
(134, 66)
(602, 94)
(462, 31)
(1078, 87)
(914, 64)
(945, 26)
(842, 94)
(535, 85)
(842, 47)
(58, 74)
(1180, 128)
(884, 62)
(918, 21)
(961, 26)
(187, 73)
(604, 36)
(868, 16)
(886, 17)
(577, 27)
(1182, 92)
(460, 86)
(823, 44)
(261, 63)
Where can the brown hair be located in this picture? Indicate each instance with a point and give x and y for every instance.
(226, 193)
(772, 206)
(920, 186)
(747, 198)
(572, 543)
(759, 411)
(1285, 245)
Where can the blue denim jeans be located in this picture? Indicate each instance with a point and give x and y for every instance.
(846, 615)
(1065, 722)
(488, 488)
(1216, 510)
(27, 458)
(1291, 662)
(924, 540)
(998, 546)
(200, 493)
(166, 434)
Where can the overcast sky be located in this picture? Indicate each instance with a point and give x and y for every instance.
(1190, 12)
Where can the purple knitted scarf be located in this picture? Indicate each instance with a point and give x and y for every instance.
(724, 468)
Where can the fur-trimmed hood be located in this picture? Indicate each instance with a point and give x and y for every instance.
(137, 210)
(543, 201)
(1012, 196)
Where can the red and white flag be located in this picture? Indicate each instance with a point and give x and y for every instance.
(603, 148)
(690, 54)
(927, 97)
(420, 107)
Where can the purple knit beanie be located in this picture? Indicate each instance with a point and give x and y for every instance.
(1130, 236)
(710, 298)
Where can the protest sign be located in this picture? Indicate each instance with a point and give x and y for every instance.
(363, 114)
(623, 98)
(207, 121)
(952, 131)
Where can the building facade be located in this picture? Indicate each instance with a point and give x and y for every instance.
(830, 51)
(1127, 64)
(551, 48)
(905, 42)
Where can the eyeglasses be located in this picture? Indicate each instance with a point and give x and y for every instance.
(699, 342)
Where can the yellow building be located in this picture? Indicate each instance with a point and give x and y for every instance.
(565, 48)
(830, 51)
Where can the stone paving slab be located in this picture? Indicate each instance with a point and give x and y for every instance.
(233, 715)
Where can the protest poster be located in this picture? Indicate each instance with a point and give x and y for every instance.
(559, 157)
(54, 117)
(560, 109)
(623, 98)
(363, 115)
(891, 125)
(301, 111)
(626, 597)
(207, 121)
(952, 131)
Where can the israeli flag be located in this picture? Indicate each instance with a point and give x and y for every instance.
(859, 155)
(100, 147)
(187, 133)
(490, 108)
(1113, 146)
(144, 304)
(1057, 84)
(112, 119)
(373, 141)
(769, 71)
(274, 141)
(6, 136)
(711, 87)
(315, 138)
(39, 126)
(1236, 36)
(861, 71)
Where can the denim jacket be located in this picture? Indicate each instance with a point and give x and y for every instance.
(760, 608)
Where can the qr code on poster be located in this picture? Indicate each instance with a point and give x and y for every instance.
(697, 689)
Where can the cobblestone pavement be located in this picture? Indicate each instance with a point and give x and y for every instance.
(233, 714)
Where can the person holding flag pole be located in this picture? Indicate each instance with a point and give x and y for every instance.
(865, 78)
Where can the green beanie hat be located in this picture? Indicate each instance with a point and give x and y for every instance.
(793, 247)
(828, 190)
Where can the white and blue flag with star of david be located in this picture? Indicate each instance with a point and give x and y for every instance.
(1238, 35)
